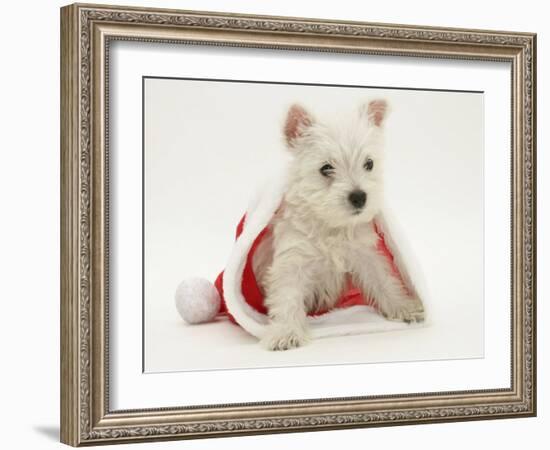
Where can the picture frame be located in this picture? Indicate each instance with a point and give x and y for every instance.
(87, 32)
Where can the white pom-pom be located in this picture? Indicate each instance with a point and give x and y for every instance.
(197, 300)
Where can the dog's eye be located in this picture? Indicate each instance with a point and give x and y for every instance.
(327, 170)
(369, 164)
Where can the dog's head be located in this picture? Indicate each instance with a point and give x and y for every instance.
(336, 172)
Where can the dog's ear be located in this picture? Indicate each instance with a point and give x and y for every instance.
(375, 111)
(298, 120)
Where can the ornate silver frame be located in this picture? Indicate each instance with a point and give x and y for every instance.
(86, 31)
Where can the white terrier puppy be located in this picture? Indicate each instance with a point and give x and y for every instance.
(323, 235)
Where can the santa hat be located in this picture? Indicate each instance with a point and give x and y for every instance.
(236, 292)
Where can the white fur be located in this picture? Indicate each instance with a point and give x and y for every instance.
(338, 322)
(319, 239)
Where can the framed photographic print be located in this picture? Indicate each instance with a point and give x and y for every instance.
(276, 224)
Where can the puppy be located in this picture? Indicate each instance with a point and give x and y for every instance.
(323, 234)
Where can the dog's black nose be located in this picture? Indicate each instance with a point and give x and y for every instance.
(357, 198)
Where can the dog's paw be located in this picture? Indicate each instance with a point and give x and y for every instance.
(409, 310)
(283, 338)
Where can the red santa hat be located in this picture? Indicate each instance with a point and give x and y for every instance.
(236, 292)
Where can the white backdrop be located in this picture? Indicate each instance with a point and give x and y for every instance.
(29, 176)
(209, 145)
